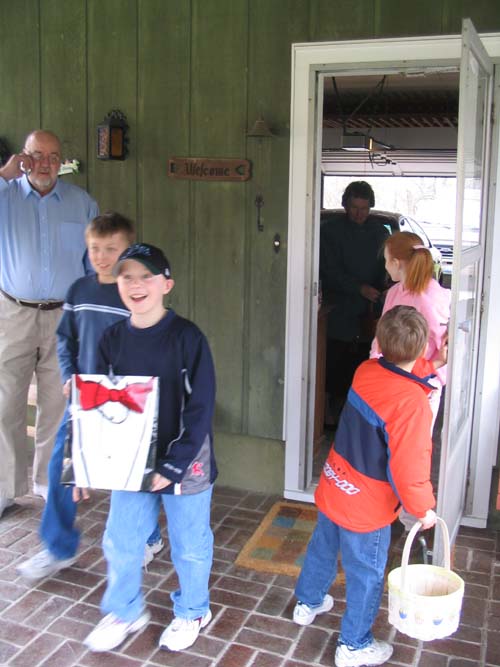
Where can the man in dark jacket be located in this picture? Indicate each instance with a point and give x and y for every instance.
(353, 276)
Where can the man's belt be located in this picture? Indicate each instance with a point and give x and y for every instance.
(39, 305)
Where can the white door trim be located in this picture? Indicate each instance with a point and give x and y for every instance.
(308, 62)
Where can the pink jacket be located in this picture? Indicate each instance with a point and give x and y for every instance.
(434, 304)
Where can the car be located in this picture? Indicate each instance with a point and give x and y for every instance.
(445, 247)
(395, 222)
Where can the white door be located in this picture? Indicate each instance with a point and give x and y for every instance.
(476, 79)
(309, 63)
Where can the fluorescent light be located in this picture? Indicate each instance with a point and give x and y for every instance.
(356, 142)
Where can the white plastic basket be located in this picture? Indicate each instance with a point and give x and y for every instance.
(425, 601)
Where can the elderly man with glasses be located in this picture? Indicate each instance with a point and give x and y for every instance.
(42, 252)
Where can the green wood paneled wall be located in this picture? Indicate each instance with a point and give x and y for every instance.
(192, 76)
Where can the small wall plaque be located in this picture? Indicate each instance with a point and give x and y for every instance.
(209, 169)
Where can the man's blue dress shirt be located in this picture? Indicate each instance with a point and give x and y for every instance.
(42, 239)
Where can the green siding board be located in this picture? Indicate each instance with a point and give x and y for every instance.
(484, 14)
(396, 19)
(19, 71)
(112, 84)
(63, 81)
(164, 75)
(219, 72)
(218, 305)
(333, 20)
(269, 96)
(218, 121)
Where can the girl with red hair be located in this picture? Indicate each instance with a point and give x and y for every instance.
(410, 265)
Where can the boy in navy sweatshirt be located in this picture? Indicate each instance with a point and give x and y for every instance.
(155, 341)
(91, 305)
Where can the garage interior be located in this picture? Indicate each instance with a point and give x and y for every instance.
(385, 126)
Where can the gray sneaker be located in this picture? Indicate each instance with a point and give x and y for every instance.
(183, 632)
(374, 654)
(43, 564)
(111, 632)
(303, 614)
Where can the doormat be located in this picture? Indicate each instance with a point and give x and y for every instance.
(279, 544)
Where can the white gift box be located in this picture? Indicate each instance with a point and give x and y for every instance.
(114, 425)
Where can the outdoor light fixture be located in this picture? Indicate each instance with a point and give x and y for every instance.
(260, 129)
(112, 137)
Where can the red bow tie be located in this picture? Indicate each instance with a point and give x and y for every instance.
(94, 394)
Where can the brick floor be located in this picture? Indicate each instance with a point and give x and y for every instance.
(43, 625)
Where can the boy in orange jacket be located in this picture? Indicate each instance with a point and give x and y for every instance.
(379, 462)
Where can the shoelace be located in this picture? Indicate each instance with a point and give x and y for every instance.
(303, 610)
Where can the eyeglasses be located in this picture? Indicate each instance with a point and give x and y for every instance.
(53, 158)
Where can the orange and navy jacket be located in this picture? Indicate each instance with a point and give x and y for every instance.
(381, 457)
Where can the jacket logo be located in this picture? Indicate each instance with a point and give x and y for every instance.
(341, 484)
(197, 469)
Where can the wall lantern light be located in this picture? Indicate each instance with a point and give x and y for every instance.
(112, 137)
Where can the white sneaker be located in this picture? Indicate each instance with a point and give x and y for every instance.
(4, 503)
(111, 632)
(43, 564)
(303, 614)
(375, 653)
(151, 550)
(182, 632)
(40, 490)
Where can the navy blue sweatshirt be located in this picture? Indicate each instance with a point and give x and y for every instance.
(89, 308)
(175, 351)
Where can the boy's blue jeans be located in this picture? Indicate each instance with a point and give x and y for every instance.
(57, 529)
(364, 557)
(132, 517)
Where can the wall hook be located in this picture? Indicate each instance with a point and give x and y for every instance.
(259, 203)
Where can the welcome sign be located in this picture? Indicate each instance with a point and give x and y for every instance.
(209, 169)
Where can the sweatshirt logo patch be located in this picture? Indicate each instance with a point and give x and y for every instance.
(341, 484)
(197, 469)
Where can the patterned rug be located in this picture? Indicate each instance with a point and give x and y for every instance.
(279, 544)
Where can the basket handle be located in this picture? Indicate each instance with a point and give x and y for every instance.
(409, 540)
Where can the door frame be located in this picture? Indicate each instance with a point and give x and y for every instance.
(309, 62)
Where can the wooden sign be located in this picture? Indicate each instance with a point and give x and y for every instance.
(209, 169)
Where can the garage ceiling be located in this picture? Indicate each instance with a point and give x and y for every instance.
(406, 100)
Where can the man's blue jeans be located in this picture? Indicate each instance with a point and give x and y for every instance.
(57, 530)
(132, 517)
(364, 557)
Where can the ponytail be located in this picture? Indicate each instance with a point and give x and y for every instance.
(408, 247)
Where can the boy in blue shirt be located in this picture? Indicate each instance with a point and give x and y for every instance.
(91, 305)
(155, 341)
